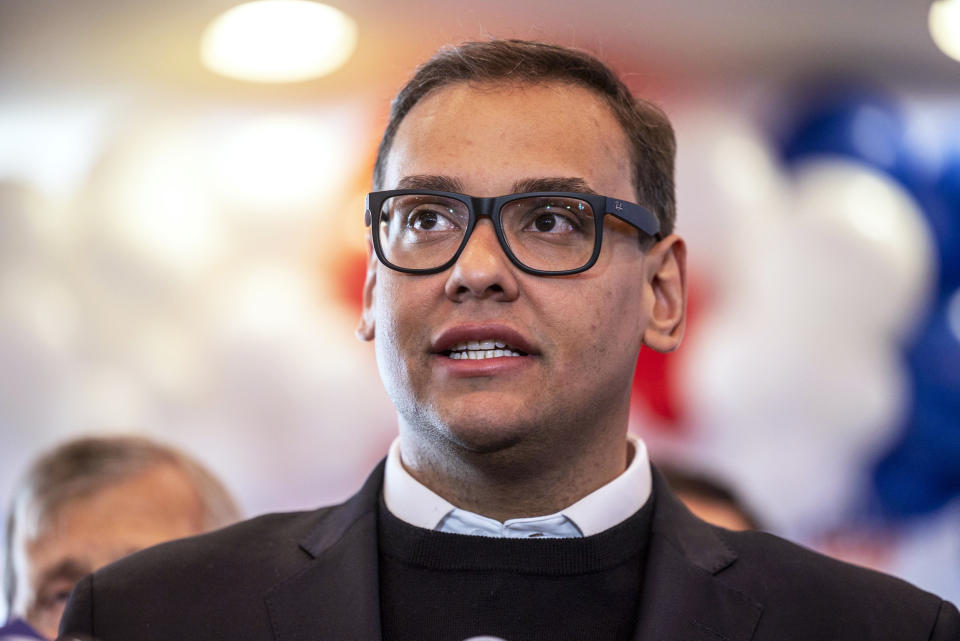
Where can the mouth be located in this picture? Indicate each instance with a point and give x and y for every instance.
(482, 349)
(476, 342)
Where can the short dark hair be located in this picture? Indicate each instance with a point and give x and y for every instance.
(86, 465)
(649, 133)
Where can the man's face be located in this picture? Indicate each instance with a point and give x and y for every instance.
(579, 335)
(90, 532)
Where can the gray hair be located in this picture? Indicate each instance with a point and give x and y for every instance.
(82, 467)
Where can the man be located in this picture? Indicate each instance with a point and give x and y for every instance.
(522, 256)
(89, 502)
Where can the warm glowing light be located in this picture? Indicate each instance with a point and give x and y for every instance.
(945, 26)
(278, 41)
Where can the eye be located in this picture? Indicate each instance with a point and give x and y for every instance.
(60, 598)
(49, 603)
(553, 218)
(430, 219)
(56, 595)
(552, 222)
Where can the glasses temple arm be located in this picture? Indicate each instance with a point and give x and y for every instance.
(633, 214)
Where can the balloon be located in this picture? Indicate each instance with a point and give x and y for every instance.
(729, 183)
(871, 253)
(862, 127)
(944, 215)
(922, 472)
(789, 409)
(853, 122)
(794, 380)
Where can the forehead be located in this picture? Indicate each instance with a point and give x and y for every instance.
(488, 136)
(154, 506)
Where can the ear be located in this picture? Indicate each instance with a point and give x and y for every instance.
(365, 330)
(666, 274)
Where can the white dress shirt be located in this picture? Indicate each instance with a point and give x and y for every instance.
(413, 502)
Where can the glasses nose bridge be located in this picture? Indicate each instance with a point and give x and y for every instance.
(483, 207)
(486, 207)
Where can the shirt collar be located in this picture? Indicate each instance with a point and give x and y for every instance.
(411, 501)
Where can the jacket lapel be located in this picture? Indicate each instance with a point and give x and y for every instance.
(336, 596)
(683, 599)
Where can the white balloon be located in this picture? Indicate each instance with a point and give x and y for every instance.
(728, 185)
(791, 416)
(872, 251)
(793, 379)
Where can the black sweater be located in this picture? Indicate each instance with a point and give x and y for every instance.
(439, 586)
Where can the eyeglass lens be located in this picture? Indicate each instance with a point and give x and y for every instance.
(548, 233)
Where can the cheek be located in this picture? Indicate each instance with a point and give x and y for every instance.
(573, 325)
(401, 320)
(388, 323)
(614, 319)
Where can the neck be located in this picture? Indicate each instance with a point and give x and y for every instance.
(517, 481)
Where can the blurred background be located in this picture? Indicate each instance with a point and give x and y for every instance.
(182, 247)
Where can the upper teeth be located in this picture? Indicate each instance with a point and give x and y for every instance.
(475, 350)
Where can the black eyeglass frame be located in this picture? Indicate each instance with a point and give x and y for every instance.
(630, 213)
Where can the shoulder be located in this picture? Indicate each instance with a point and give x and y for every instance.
(789, 566)
(214, 585)
(270, 540)
(797, 593)
(803, 590)
(174, 589)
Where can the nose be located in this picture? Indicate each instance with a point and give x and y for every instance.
(483, 270)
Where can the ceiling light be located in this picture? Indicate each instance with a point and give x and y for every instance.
(945, 26)
(278, 41)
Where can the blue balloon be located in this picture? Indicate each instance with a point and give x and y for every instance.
(943, 213)
(855, 123)
(922, 472)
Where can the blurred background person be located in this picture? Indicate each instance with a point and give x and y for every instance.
(709, 498)
(91, 501)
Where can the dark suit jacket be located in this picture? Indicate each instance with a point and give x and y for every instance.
(313, 575)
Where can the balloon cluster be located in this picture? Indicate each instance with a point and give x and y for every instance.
(920, 472)
(823, 373)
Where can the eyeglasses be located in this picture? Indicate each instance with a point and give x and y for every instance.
(547, 233)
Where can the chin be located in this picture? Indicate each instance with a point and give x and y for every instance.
(486, 439)
(484, 425)
(483, 433)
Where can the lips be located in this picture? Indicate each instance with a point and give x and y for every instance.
(479, 342)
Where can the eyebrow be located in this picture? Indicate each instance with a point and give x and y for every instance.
(448, 183)
(69, 569)
(553, 183)
(431, 182)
